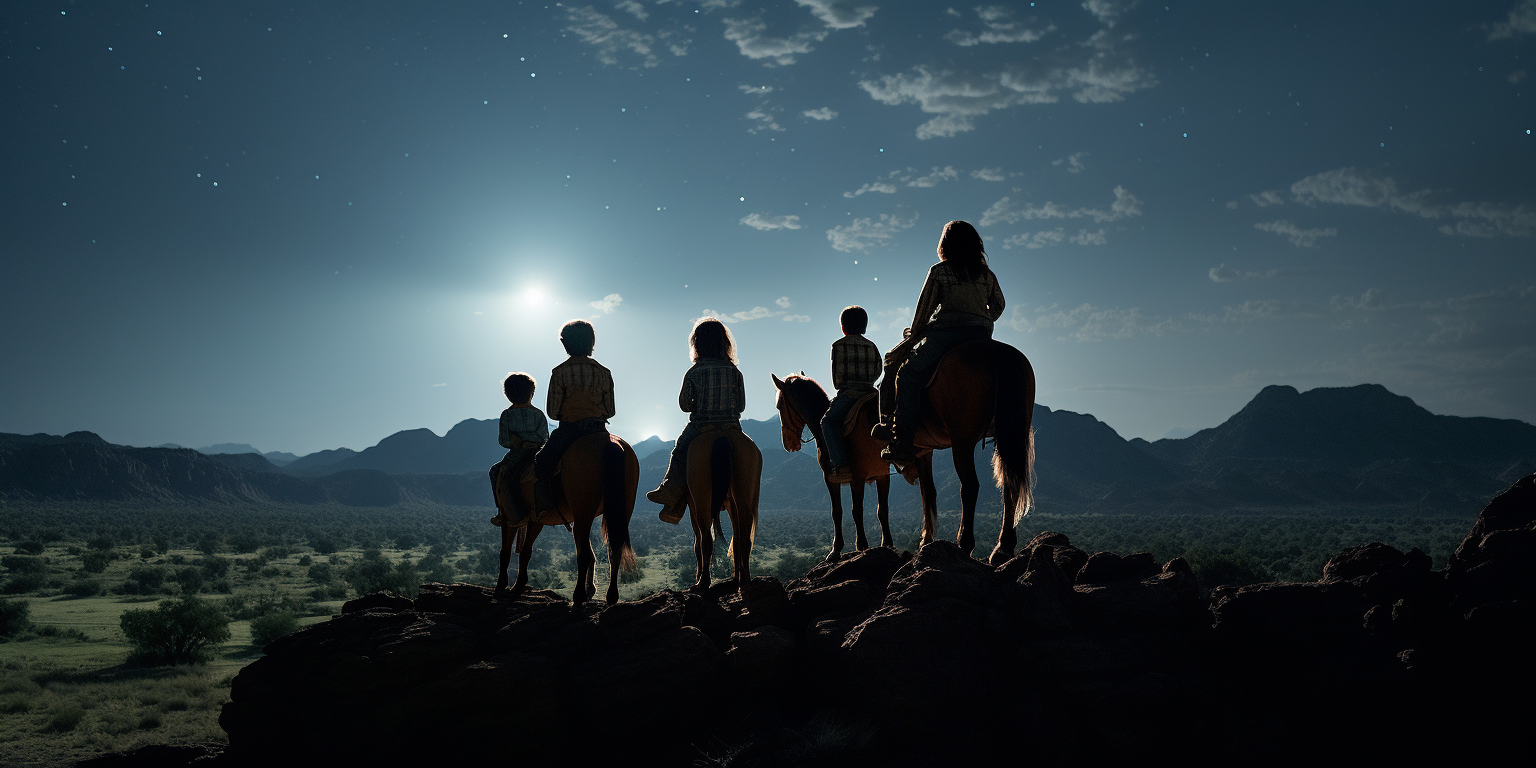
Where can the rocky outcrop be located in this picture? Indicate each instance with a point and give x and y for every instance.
(893, 658)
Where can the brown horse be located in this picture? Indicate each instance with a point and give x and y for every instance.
(598, 476)
(980, 386)
(725, 469)
(801, 403)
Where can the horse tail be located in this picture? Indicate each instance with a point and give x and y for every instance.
(719, 479)
(517, 538)
(1013, 459)
(615, 511)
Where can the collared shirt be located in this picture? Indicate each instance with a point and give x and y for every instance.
(855, 363)
(948, 299)
(522, 426)
(713, 390)
(580, 388)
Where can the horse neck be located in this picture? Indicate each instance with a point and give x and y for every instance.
(809, 404)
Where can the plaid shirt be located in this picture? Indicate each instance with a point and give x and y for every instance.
(522, 426)
(948, 299)
(580, 388)
(855, 364)
(713, 390)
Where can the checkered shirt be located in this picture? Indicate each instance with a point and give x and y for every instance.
(948, 299)
(580, 388)
(713, 390)
(855, 364)
(522, 426)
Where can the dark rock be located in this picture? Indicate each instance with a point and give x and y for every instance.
(377, 601)
(838, 599)
(761, 657)
(1108, 568)
(155, 756)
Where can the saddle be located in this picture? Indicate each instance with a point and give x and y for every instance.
(865, 403)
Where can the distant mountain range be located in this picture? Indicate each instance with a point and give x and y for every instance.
(1346, 449)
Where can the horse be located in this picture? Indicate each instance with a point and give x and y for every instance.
(725, 469)
(801, 403)
(598, 475)
(979, 385)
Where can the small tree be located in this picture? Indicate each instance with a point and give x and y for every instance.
(265, 629)
(178, 631)
(15, 616)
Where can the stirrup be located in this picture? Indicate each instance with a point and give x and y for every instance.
(899, 453)
(883, 432)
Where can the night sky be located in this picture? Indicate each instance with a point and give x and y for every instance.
(310, 227)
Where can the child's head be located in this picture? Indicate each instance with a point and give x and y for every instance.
(710, 338)
(518, 388)
(854, 319)
(578, 338)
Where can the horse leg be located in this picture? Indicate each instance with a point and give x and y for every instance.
(530, 532)
(741, 548)
(837, 523)
(703, 550)
(883, 509)
(930, 495)
(857, 489)
(965, 466)
(586, 561)
(508, 542)
(1007, 539)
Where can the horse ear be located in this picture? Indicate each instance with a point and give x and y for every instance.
(777, 382)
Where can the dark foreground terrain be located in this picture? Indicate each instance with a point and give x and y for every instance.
(888, 658)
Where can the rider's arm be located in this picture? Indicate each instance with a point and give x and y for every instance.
(995, 301)
(927, 302)
(607, 385)
(556, 395)
(688, 397)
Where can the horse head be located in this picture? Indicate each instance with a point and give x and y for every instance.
(790, 422)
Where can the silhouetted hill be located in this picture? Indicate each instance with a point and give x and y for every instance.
(1347, 449)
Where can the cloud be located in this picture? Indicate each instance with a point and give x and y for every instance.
(1225, 274)
(1302, 238)
(765, 221)
(1267, 198)
(441, 384)
(1348, 186)
(873, 186)
(751, 39)
(764, 119)
(824, 113)
(1108, 12)
(1087, 322)
(1049, 237)
(610, 40)
(1096, 71)
(1001, 27)
(947, 173)
(797, 318)
(633, 8)
(988, 174)
(783, 302)
(1521, 21)
(1073, 161)
(840, 14)
(608, 303)
(1009, 211)
(860, 234)
(759, 313)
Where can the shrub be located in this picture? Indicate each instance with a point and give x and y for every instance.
(321, 573)
(23, 583)
(179, 631)
(65, 717)
(324, 545)
(102, 543)
(244, 543)
(23, 564)
(15, 617)
(30, 547)
(215, 567)
(305, 561)
(373, 573)
(95, 560)
(144, 580)
(270, 627)
(83, 588)
(191, 579)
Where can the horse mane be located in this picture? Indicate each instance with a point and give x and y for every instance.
(809, 399)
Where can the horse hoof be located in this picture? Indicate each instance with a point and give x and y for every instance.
(832, 557)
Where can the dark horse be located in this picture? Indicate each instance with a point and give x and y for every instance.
(801, 403)
(598, 475)
(725, 471)
(980, 386)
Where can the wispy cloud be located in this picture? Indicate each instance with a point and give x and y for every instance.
(752, 39)
(759, 313)
(1087, 322)
(1348, 186)
(611, 41)
(909, 177)
(1049, 237)
(883, 187)
(988, 174)
(840, 14)
(1108, 12)
(766, 221)
(860, 234)
(1301, 238)
(632, 8)
(1074, 162)
(1225, 274)
(1095, 71)
(1521, 21)
(1000, 26)
(797, 318)
(1010, 211)
(824, 113)
(607, 304)
(934, 177)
